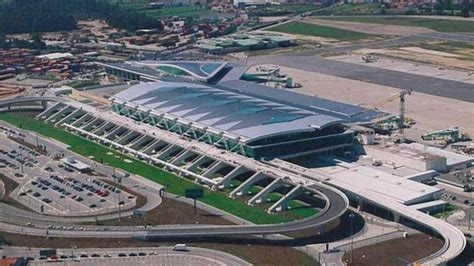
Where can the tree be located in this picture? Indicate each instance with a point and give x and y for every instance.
(439, 7)
(3, 41)
(449, 4)
(168, 43)
(465, 8)
(37, 41)
(26, 16)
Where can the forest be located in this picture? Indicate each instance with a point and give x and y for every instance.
(28, 16)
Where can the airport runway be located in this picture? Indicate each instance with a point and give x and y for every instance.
(396, 79)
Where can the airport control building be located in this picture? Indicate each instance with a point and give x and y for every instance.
(208, 102)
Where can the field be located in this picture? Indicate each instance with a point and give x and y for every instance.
(82, 83)
(181, 11)
(308, 29)
(401, 251)
(459, 48)
(441, 25)
(449, 209)
(282, 10)
(174, 184)
(295, 8)
(351, 9)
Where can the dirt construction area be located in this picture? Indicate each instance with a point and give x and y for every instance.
(370, 28)
(401, 251)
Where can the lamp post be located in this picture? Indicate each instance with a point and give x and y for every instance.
(72, 252)
(351, 217)
(470, 212)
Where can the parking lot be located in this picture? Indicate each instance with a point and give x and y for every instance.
(48, 187)
(127, 256)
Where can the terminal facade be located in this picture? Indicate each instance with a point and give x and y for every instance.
(209, 103)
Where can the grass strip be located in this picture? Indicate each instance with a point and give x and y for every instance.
(302, 28)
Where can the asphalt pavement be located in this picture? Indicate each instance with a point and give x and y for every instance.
(396, 79)
(129, 256)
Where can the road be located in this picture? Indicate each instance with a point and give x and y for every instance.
(336, 205)
(455, 242)
(154, 256)
(311, 61)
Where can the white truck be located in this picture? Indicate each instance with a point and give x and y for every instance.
(180, 247)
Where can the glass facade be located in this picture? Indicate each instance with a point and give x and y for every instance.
(271, 147)
(122, 74)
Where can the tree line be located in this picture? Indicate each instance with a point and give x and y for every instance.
(26, 16)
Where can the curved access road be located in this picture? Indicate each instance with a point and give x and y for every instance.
(336, 205)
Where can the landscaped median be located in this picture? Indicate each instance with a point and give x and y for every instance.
(174, 184)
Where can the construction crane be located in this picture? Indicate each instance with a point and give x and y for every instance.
(401, 122)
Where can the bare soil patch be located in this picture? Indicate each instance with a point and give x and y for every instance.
(370, 28)
(10, 185)
(171, 212)
(396, 251)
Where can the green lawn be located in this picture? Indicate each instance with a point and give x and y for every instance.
(351, 9)
(298, 8)
(448, 210)
(303, 28)
(442, 25)
(304, 211)
(174, 184)
(181, 11)
(82, 83)
(281, 10)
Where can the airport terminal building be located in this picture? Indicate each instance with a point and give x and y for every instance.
(207, 102)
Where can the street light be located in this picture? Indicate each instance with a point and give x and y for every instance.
(351, 217)
(72, 251)
(470, 211)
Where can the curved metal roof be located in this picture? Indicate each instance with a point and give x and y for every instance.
(198, 70)
(221, 111)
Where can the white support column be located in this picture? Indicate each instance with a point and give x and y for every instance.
(62, 110)
(147, 150)
(183, 155)
(137, 141)
(73, 113)
(243, 188)
(82, 119)
(282, 204)
(261, 196)
(49, 110)
(197, 162)
(225, 181)
(214, 168)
